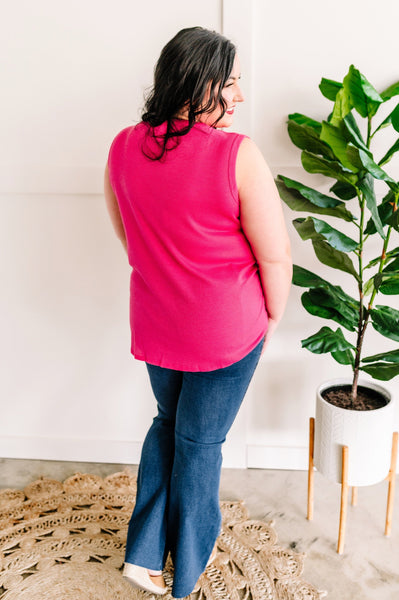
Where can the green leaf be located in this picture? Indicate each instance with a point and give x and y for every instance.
(344, 357)
(317, 310)
(361, 159)
(315, 197)
(392, 90)
(368, 287)
(345, 191)
(395, 118)
(377, 280)
(390, 356)
(304, 120)
(334, 137)
(367, 187)
(390, 256)
(392, 267)
(323, 303)
(389, 284)
(386, 282)
(387, 157)
(326, 340)
(306, 138)
(394, 220)
(334, 258)
(316, 229)
(315, 164)
(330, 88)
(342, 107)
(389, 198)
(304, 278)
(362, 95)
(392, 118)
(353, 133)
(385, 212)
(381, 371)
(385, 320)
(303, 198)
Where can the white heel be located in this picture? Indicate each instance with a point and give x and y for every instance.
(139, 577)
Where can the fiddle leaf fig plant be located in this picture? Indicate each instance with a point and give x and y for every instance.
(341, 149)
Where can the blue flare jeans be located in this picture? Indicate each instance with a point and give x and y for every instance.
(177, 504)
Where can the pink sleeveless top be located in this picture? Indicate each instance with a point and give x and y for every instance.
(196, 301)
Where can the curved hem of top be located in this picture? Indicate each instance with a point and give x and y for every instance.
(203, 369)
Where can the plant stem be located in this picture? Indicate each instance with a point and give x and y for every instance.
(363, 315)
(359, 344)
(368, 132)
(361, 327)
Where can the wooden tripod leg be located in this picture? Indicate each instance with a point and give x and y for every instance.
(391, 485)
(344, 500)
(311, 469)
(354, 496)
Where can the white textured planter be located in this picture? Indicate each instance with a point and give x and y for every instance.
(368, 435)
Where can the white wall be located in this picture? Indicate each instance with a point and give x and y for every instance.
(295, 45)
(74, 75)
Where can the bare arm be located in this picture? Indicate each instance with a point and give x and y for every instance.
(262, 221)
(113, 209)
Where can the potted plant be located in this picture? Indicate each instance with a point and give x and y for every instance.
(350, 412)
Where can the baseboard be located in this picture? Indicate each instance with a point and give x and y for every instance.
(92, 450)
(129, 452)
(69, 449)
(293, 458)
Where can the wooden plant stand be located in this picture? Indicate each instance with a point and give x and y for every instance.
(344, 486)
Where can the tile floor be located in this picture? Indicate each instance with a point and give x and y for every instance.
(369, 567)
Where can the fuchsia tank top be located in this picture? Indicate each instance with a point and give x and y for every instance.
(196, 301)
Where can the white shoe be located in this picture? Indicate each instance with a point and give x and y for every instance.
(139, 577)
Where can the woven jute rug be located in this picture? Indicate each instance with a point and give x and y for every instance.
(66, 540)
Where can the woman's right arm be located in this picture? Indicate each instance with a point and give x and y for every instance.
(262, 221)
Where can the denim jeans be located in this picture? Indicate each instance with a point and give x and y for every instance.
(177, 505)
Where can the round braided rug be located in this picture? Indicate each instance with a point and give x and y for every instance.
(66, 541)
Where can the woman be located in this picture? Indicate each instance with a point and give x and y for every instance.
(198, 213)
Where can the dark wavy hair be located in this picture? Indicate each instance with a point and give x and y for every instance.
(194, 59)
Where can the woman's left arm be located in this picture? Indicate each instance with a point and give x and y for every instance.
(113, 209)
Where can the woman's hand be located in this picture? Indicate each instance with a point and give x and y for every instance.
(271, 328)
